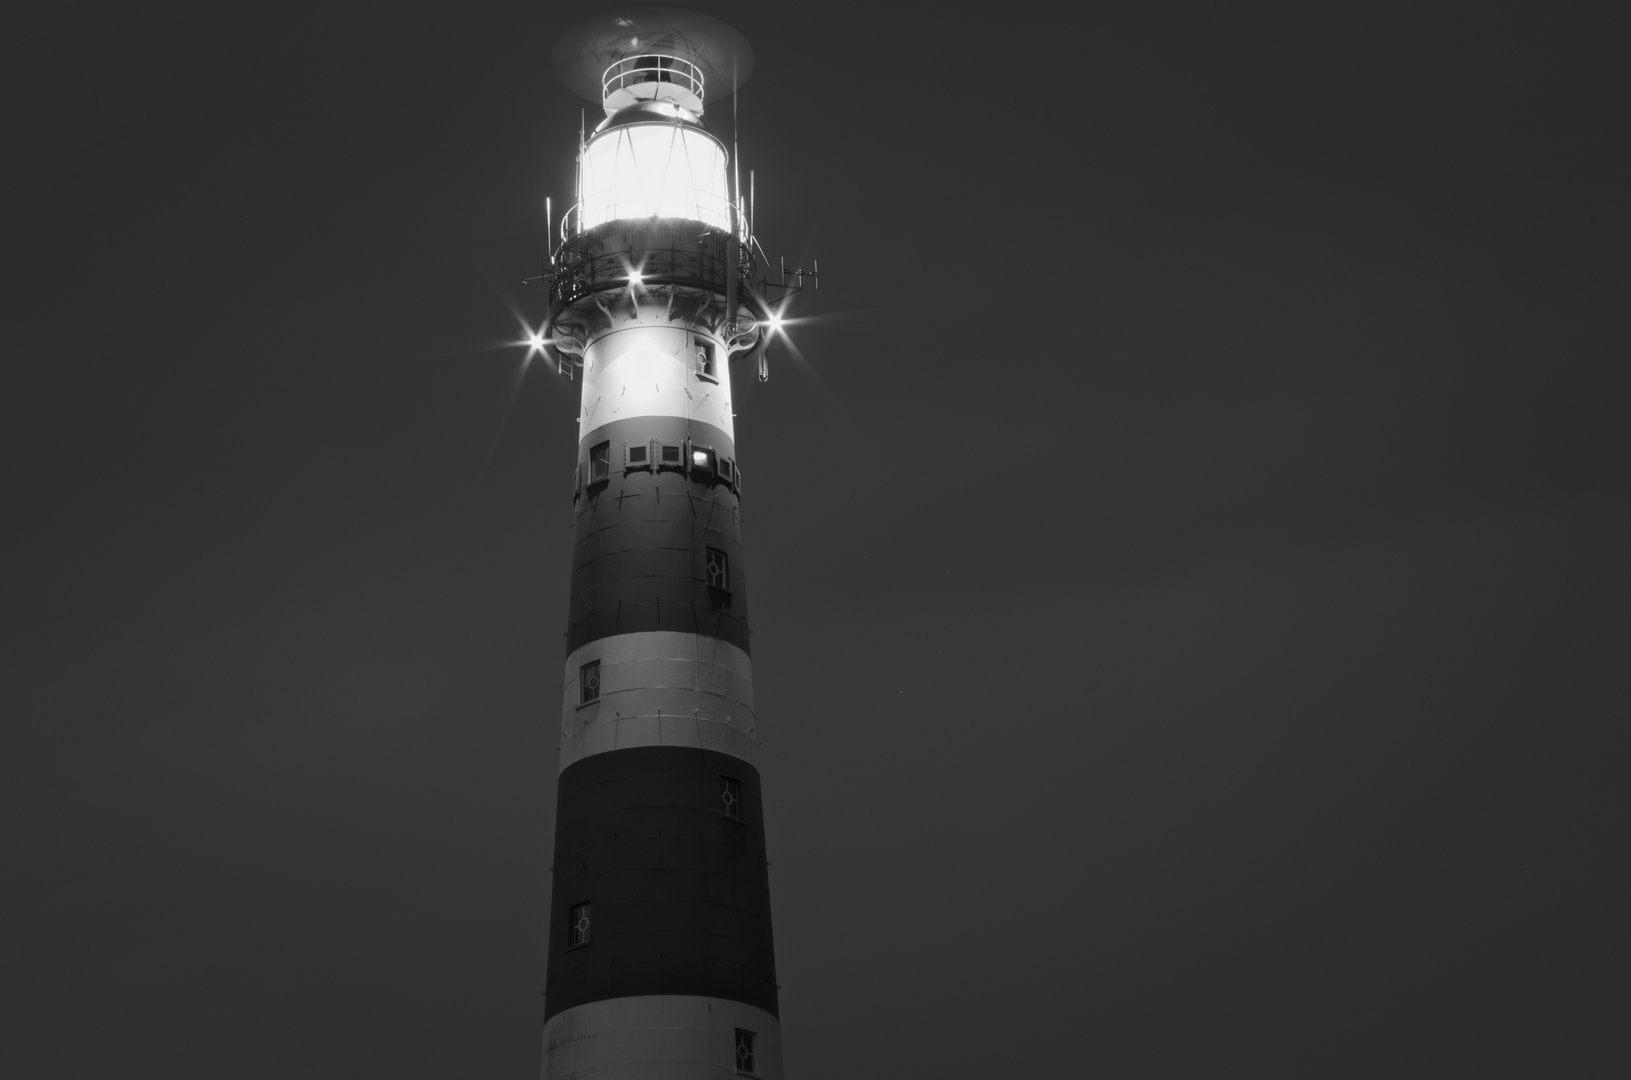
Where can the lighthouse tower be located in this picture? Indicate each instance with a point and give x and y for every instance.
(660, 951)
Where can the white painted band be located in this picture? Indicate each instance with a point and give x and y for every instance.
(660, 688)
(649, 367)
(659, 1037)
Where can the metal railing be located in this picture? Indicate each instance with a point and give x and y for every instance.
(580, 273)
(650, 67)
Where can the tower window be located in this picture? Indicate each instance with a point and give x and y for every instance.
(744, 1051)
(600, 461)
(638, 455)
(726, 469)
(730, 797)
(702, 352)
(577, 925)
(702, 459)
(671, 455)
(719, 569)
(589, 682)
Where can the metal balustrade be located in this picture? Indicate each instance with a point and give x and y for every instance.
(580, 271)
(651, 67)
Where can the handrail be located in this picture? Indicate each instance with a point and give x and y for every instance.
(580, 272)
(651, 67)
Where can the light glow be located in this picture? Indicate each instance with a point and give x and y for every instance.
(666, 170)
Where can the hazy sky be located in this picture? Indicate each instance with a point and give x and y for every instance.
(1185, 561)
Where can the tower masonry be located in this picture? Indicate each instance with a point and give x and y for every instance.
(660, 949)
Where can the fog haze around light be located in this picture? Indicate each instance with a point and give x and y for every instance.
(1184, 546)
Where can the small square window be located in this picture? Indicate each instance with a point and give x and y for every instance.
(726, 469)
(638, 456)
(600, 461)
(730, 797)
(744, 1051)
(702, 459)
(671, 455)
(719, 569)
(589, 682)
(577, 925)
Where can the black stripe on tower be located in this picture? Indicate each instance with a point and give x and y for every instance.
(641, 558)
(676, 889)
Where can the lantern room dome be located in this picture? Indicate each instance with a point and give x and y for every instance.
(650, 112)
(656, 53)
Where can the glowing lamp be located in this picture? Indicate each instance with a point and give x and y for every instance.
(642, 164)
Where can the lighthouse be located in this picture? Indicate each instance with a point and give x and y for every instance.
(660, 948)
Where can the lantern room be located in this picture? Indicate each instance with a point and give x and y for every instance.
(653, 70)
(652, 158)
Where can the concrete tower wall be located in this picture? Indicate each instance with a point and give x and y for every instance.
(660, 832)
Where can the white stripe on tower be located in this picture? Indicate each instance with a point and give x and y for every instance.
(660, 1037)
(641, 369)
(660, 688)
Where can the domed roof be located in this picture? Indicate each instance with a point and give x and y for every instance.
(650, 112)
(582, 56)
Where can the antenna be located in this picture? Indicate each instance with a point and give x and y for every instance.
(750, 202)
(736, 156)
(549, 228)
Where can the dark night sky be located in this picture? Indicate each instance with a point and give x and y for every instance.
(1185, 562)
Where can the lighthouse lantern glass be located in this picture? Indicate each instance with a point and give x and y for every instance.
(667, 170)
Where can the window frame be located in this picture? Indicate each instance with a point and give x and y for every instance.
(724, 565)
(745, 1064)
(584, 675)
(604, 461)
(730, 785)
(573, 941)
(704, 357)
(707, 471)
